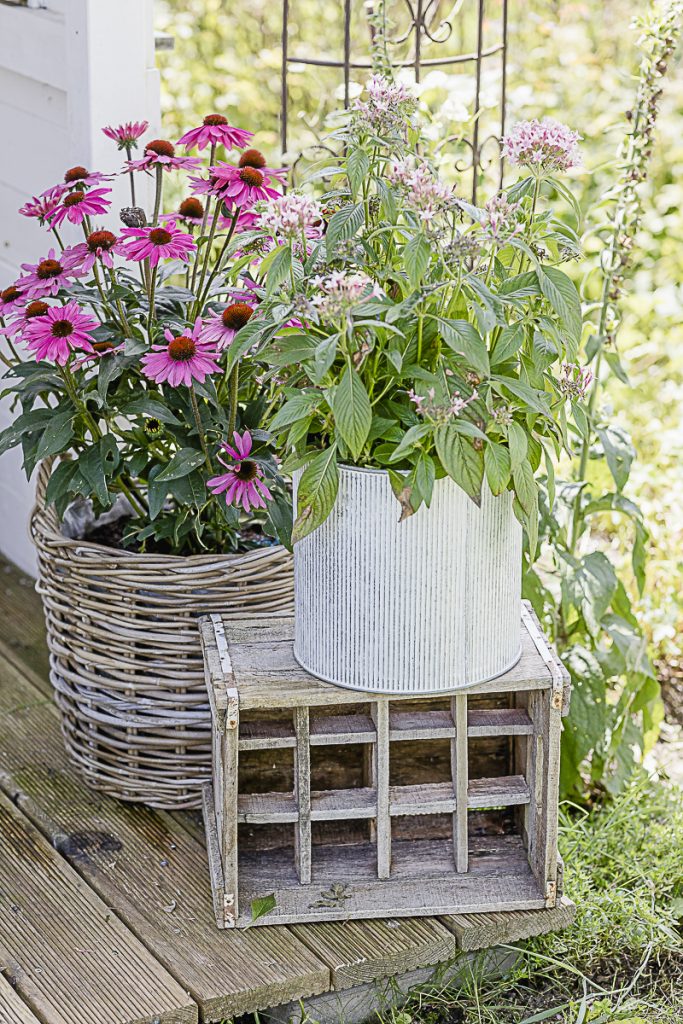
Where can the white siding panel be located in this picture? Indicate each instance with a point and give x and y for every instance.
(36, 98)
(32, 44)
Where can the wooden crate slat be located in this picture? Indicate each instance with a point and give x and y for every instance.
(499, 722)
(429, 798)
(380, 780)
(302, 795)
(328, 730)
(264, 735)
(420, 725)
(460, 775)
(509, 791)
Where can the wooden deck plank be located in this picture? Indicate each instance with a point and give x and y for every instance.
(480, 931)
(13, 1009)
(148, 868)
(21, 613)
(361, 951)
(71, 951)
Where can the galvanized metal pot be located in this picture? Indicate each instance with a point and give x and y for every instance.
(430, 604)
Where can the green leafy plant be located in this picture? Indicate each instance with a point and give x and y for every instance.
(436, 338)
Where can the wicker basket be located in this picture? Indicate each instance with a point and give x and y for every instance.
(125, 660)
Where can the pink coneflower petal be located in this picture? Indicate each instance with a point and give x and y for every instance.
(183, 359)
(77, 205)
(160, 152)
(43, 206)
(242, 484)
(47, 277)
(215, 131)
(126, 135)
(59, 331)
(156, 243)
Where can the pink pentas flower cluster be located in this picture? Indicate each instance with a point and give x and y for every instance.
(242, 484)
(502, 219)
(429, 408)
(291, 216)
(387, 109)
(546, 145)
(423, 193)
(575, 381)
(340, 292)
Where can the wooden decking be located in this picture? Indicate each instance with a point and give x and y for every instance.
(105, 908)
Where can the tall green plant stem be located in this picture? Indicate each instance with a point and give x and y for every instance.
(158, 192)
(233, 397)
(200, 429)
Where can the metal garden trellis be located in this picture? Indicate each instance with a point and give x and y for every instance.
(425, 26)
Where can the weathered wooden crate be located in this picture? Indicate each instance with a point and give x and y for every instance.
(341, 804)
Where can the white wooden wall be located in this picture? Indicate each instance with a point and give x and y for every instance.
(67, 67)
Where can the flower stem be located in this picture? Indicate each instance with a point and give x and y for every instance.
(152, 290)
(205, 264)
(79, 404)
(234, 392)
(200, 429)
(212, 276)
(157, 193)
(58, 237)
(129, 154)
(120, 307)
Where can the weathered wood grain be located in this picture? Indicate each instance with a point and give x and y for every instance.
(480, 931)
(148, 868)
(21, 612)
(53, 926)
(302, 795)
(13, 1009)
(460, 776)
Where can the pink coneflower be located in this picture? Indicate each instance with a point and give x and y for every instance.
(126, 135)
(160, 152)
(59, 331)
(99, 245)
(182, 360)
(100, 350)
(548, 145)
(46, 277)
(190, 212)
(222, 327)
(243, 185)
(83, 178)
(12, 299)
(156, 243)
(215, 131)
(243, 483)
(43, 206)
(77, 205)
(16, 326)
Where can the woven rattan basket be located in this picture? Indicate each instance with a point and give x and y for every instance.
(125, 660)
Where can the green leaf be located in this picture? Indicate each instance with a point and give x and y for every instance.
(58, 484)
(56, 437)
(157, 492)
(517, 443)
(352, 411)
(151, 408)
(316, 493)
(357, 167)
(526, 487)
(508, 343)
(619, 453)
(182, 463)
(91, 464)
(279, 268)
(463, 463)
(531, 397)
(298, 407)
(416, 255)
(592, 586)
(425, 475)
(342, 225)
(464, 338)
(261, 906)
(497, 466)
(561, 293)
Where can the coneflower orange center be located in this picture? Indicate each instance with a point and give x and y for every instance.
(181, 349)
(47, 269)
(236, 315)
(250, 176)
(103, 346)
(247, 470)
(100, 240)
(10, 294)
(252, 158)
(74, 198)
(161, 147)
(62, 328)
(36, 309)
(75, 174)
(191, 207)
(215, 119)
(160, 236)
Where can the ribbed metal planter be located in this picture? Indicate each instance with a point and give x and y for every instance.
(430, 604)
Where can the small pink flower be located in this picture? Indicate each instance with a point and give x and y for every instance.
(156, 243)
(243, 483)
(82, 178)
(182, 360)
(23, 317)
(46, 277)
(215, 131)
(99, 245)
(60, 331)
(77, 205)
(222, 327)
(244, 184)
(160, 152)
(100, 350)
(547, 144)
(126, 135)
(43, 206)
(12, 300)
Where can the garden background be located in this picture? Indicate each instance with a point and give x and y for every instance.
(576, 61)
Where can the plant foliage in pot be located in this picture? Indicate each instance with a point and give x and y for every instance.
(125, 351)
(433, 375)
